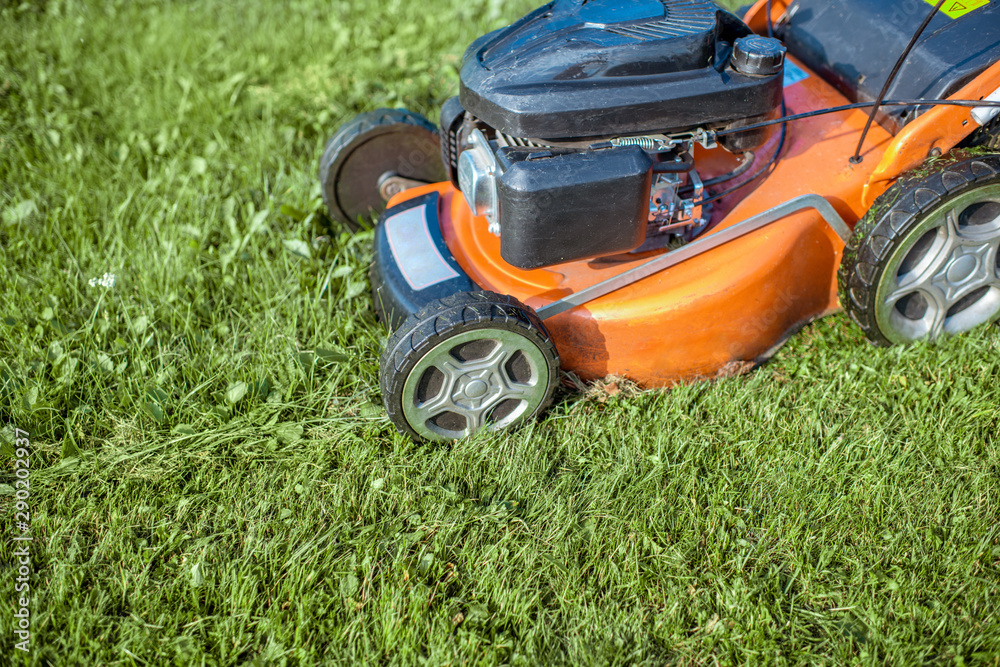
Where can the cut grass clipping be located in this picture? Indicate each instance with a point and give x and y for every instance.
(213, 481)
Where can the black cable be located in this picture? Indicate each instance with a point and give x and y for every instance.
(748, 158)
(740, 170)
(762, 172)
(810, 114)
(856, 158)
(857, 105)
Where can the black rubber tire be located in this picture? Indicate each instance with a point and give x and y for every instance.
(370, 145)
(879, 234)
(448, 317)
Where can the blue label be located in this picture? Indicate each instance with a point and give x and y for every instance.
(417, 257)
(793, 74)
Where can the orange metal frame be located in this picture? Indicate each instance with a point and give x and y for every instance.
(729, 308)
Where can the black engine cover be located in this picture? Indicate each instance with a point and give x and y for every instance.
(601, 68)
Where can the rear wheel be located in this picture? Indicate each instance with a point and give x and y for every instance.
(375, 156)
(471, 361)
(924, 262)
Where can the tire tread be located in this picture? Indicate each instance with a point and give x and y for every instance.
(878, 235)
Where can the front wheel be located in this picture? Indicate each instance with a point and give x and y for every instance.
(924, 261)
(470, 361)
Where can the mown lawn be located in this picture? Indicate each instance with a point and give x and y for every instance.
(213, 480)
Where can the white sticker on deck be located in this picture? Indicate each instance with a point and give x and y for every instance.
(417, 256)
(793, 74)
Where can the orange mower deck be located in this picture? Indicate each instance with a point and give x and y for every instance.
(729, 308)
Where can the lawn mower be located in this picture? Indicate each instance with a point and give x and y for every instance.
(664, 191)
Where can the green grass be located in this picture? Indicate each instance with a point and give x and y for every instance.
(214, 480)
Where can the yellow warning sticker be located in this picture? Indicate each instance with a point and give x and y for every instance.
(958, 8)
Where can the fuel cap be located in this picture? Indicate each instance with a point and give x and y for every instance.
(758, 56)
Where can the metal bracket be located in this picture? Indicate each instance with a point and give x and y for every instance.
(699, 246)
(391, 184)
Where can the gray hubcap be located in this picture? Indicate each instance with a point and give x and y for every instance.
(486, 378)
(945, 276)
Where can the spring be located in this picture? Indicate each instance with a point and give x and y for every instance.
(645, 143)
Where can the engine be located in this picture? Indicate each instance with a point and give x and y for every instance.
(574, 130)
